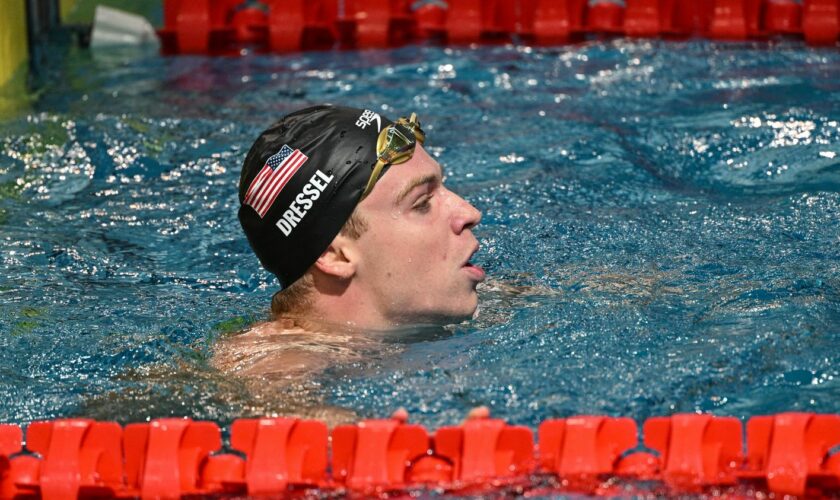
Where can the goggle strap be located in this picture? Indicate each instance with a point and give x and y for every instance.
(374, 176)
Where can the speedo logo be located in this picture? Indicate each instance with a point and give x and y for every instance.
(367, 118)
(303, 202)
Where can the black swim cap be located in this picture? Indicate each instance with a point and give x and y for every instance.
(300, 182)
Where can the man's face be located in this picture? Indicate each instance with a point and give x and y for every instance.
(415, 253)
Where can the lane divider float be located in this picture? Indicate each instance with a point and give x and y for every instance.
(282, 26)
(787, 453)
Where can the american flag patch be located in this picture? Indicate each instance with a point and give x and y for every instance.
(276, 172)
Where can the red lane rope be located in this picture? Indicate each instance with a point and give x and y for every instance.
(228, 26)
(787, 453)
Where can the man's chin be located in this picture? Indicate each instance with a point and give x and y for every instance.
(442, 318)
(469, 312)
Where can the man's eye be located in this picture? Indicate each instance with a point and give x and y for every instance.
(423, 205)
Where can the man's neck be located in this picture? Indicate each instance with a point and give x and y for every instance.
(350, 310)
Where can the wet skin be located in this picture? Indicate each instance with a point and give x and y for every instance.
(416, 252)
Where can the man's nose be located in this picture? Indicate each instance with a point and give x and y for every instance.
(465, 216)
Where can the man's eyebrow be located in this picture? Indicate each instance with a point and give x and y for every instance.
(419, 181)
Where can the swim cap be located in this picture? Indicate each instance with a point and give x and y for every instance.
(300, 182)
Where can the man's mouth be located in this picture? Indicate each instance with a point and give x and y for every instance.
(475, 272)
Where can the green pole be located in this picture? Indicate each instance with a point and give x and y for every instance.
(14, 52)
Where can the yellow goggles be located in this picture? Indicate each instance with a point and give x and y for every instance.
(395, 145)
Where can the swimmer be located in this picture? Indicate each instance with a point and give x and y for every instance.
(350, 213)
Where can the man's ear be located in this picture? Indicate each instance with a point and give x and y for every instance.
(339, 259)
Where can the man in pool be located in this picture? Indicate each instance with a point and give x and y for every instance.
(350, 213)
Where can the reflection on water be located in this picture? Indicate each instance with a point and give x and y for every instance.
(660, 230)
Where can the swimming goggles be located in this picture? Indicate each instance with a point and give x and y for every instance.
(395, 145)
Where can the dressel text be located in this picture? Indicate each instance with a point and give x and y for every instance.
(303, 202)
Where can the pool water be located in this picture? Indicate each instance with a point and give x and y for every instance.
(661, 230)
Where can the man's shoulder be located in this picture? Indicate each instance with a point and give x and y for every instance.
(283, 349)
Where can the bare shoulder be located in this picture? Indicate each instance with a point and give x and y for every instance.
(280, 350)
(279, 362)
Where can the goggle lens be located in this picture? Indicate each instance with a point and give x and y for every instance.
(395, 145)
(399, 144)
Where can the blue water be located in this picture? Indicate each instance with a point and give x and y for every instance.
(661, 230)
